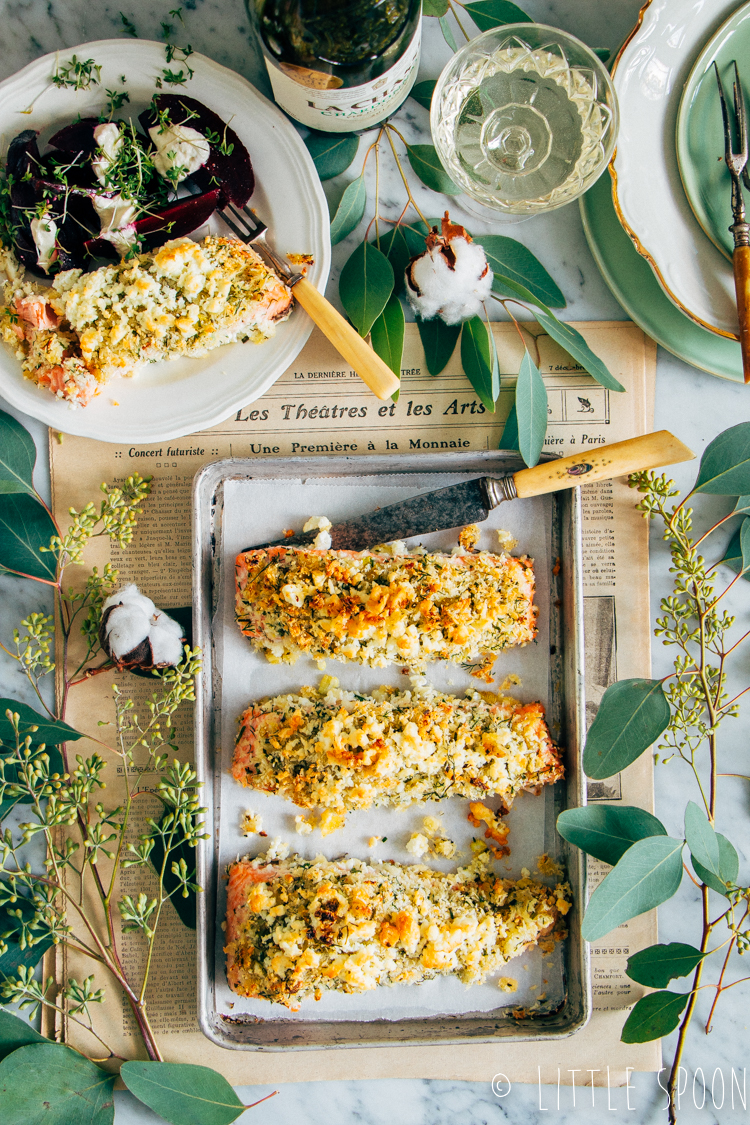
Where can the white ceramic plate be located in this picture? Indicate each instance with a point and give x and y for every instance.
(168, 400)
(649, 75)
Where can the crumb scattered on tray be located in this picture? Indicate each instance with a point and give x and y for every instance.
(251, 823)
(507, 984)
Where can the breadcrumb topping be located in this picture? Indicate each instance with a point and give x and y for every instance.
(297, 928)
(376, 608)
(345, 750)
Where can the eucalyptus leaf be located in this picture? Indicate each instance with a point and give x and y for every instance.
(51, 731)
(575, 345)
(14, 957)
(365, 286)
(434, 7)
(332, 153)
(607, 831)
(350, 210)
(423, 92)
(648, 874)
(17, 456)
(426, 164)
(387, 334)
(25, 526)
(183, 1093)
(657, 965)
(729, 867)
(742, 505)
(15, 1032)
(725, 464)
(439, 342)
(701, 838)
(476, 359)
(495, 13)
(448, 35)
(509, 437)
(654, 1016)
(512, 262)
(737, 555)
(531, 410)
(50, 1084)
(399, 245)
(631, 716)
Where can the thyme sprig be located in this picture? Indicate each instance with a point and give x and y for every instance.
(77, 74)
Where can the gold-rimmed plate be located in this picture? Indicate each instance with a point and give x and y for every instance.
(649, 74)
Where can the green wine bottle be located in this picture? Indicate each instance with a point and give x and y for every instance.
(339, 65)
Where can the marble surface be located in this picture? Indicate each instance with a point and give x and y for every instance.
(693, 405)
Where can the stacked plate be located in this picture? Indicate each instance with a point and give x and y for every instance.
(658, 226)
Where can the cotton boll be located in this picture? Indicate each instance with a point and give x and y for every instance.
(130, 595)
(135, 634)
(127, 628)
(451, 279)
(165, 635)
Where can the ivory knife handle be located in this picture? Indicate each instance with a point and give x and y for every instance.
(602, 463)
(347, 341)
(741, 266)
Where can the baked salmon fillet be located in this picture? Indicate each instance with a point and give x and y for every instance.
(297, 928)
(184, 299)
(375, 608)
(339, 749)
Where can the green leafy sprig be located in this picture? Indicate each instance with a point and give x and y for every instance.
(371, 286)
(72, 899)
(685, 711)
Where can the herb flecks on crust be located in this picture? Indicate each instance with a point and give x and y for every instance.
(340, 749)
(376, 608)
(296, 929)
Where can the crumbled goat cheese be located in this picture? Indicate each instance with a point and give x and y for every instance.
(321, 523)
(117, 216)
(110, 140)
(180, 150)
(506, 540)
(418, 845)
(279, 849)
(44, 233)
(251, 823)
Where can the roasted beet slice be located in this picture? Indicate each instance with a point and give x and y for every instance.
(77, 137)
(177, 219)
(234, 172)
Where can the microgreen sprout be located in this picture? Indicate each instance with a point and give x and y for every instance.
(77, 74)
(128, 26)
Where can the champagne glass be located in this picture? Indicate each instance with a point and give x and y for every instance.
(524, 118)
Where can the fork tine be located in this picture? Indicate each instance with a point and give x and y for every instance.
(725, 117)
(739, 109)
(242, 234)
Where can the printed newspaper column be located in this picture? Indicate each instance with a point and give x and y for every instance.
(320, 407)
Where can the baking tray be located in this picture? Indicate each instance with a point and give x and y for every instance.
(239, 502)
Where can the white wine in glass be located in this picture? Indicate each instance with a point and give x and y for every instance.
(524, 118)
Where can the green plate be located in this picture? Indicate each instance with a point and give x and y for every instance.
(629, 277)
(700, 134)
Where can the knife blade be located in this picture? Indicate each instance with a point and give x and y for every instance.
(472, 501)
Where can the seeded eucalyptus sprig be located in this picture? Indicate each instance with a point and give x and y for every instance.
(72, 897)
(372, 280)
(686, 712)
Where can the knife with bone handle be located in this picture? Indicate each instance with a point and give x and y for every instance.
(473, 500)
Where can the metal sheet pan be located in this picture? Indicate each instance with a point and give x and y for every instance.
(419, 1015)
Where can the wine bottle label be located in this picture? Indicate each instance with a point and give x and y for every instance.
(307, 96)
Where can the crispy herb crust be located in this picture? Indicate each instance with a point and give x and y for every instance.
(296, 929)
(374, 608)
(340, 749)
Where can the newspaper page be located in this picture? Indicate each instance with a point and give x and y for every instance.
(319, 406)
